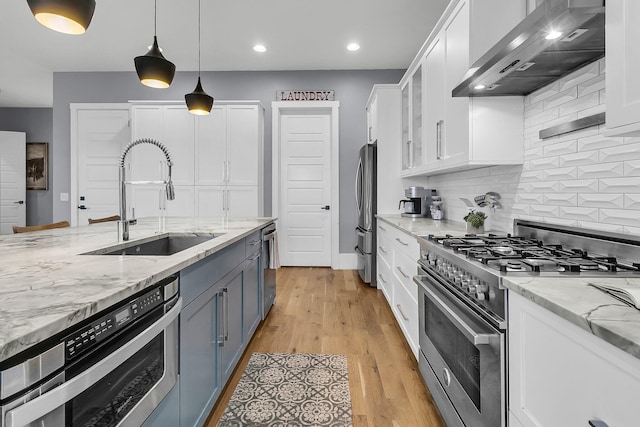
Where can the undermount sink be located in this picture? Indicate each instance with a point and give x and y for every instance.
(162, 245)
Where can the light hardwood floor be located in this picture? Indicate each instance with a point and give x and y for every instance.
(319, 310)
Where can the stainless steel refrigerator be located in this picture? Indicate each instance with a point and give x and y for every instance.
(366, 204)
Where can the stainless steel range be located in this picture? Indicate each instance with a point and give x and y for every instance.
(463, 305)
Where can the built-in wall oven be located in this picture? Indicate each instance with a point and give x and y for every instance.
(112, 369)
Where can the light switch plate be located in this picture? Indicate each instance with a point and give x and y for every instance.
(64, 197)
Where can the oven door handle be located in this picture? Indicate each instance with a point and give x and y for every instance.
(42, 405)
(475, 337)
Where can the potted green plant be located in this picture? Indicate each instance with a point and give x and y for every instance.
(475, 221)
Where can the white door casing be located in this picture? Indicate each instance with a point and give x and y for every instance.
(13, 206)
(99, 132)
(305, 179)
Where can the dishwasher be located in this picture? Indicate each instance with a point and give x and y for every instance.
(109, 370)
(268, 268)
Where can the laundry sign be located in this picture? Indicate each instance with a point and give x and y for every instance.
(305, 95)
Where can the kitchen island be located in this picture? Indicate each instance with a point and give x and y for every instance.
(47, 285)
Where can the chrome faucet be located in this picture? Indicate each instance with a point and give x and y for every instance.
(123, 182)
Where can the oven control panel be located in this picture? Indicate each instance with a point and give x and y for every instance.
(103, 327)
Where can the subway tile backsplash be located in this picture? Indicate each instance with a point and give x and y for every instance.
(582, 179)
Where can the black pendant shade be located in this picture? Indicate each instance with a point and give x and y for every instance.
(65, 16)
(198, 101)
(153, 69)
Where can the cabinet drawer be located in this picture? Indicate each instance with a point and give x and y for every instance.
(385, 277)
(405, 308)
(253, 243)
(385, 248)
(404, 268)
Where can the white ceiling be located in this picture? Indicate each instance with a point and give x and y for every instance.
(299, 35)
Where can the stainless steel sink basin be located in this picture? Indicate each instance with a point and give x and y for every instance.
(163, 245)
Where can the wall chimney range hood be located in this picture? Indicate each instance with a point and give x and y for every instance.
(558, 37)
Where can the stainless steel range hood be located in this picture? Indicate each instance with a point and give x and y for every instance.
(526, 60)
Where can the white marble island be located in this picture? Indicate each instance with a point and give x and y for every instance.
(47, 285)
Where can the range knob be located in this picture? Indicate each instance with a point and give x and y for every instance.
(473, 286)
(481, 296)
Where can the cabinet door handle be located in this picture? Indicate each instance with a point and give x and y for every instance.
(401, 242)
(597, 423)
(382, 250)
(370, 132)
(254, 242)
(439, 139)
(255, 257)
(406, 319)
(402, 272)
(228, 171)
(382, 228)
(226, 312)
(224, 171)
(228, 200)
(381, 277)
(409, 154)
(220, 319)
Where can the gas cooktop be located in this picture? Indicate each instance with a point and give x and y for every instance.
(518, 254)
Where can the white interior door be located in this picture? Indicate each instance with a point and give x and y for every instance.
(12, 181)
(102, 133)
(305, 188)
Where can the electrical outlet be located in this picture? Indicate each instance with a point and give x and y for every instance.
(64, 197)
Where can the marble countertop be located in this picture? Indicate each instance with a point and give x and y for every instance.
(570, 298)
(423, 226)
(47, 285)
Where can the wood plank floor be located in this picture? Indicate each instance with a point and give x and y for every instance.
(319, 310)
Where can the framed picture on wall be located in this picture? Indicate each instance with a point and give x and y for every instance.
(37, 165)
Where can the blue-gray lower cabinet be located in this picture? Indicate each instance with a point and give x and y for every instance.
(199, 342)
(167, 414)
(252, 301)
(232, 286)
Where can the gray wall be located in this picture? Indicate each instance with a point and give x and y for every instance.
(37, 123)
(352, 89)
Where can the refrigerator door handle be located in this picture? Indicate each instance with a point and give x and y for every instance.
(359, 232)
(358, 184)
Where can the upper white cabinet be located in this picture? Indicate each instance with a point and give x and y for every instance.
(623, 67)
(561, 375)
(412, 118)
(383, 115)
(218, 159)
(171, 125)
(444, 133)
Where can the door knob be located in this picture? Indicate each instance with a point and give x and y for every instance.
(82, 207)
(326, 208)
(19, 202)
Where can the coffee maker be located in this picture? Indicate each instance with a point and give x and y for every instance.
(417, 202)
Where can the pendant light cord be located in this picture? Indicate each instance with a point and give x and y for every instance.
(155, 17)
(199, 20)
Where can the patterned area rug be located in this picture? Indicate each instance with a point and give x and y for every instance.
(287, 390)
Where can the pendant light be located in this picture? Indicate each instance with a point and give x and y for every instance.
(153, 69)
(64, 16)
(199, 102)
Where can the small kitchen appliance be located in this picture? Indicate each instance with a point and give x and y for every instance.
(463, 305)
(417, 202)
(112, 369)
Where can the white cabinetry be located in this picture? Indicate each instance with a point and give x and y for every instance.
(383, 117)
(560, 375)
(218, 159)
(461, 133)
(623, 67)
(397, 258)
(412, 117)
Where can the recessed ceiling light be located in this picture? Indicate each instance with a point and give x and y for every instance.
(259, 48)
(552, 35)
(353, 47)
(480, 87)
